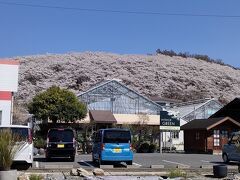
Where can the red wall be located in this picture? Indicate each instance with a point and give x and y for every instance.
(4, 95)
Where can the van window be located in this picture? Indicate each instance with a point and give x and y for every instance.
(116, 137)
(20, 133)
(56, 135)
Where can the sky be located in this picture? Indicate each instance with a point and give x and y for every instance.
(209, 27)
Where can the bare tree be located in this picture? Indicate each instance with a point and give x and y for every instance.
(20, 115)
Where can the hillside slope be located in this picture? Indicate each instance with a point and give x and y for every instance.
(169, 77)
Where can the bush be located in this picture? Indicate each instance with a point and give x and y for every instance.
(135, 144)
(39, 143)
(144, 148)
(8, 149)
(152, 148)
(36, 177)
(177, 173)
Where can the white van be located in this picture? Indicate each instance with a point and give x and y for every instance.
(25, 152)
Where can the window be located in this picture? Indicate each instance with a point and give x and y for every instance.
(60, 135)
(216, 136)
(22, 134)
(197, 135)
(216, 142)
(210, 112)
(175, 135)
(224, 133)
(112, 136)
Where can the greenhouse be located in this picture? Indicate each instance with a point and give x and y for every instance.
(199, 109)
(112, 95)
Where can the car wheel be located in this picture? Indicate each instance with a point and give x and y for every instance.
(72, 158)
(129, 162)
(48, 158)
(93, 160)
(101, 162)
(225, 158)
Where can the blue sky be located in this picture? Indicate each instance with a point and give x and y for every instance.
(36, 29)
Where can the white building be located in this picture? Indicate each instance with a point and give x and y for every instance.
(8, 85)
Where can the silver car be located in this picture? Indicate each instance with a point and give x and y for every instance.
(231, 150)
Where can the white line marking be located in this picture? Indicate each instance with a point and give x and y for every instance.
(137, 164)
(37, 164)
(87, 163)
(205, 161)
(175, 163)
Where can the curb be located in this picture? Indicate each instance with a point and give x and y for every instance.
(183, 167)
(157, 166)
(54, 166)
(206, 166)
(106, 166)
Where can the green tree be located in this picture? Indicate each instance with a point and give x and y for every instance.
(57, 104)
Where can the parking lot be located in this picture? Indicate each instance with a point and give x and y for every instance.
(141, 160)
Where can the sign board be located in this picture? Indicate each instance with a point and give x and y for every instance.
(8, 75)
(168, 122)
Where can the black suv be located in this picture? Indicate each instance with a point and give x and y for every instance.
(61, 143)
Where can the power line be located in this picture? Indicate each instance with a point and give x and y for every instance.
(121, 11)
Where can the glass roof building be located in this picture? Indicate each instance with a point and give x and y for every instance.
(112, 95)
(199, 109)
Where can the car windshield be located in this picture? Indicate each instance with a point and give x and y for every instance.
(113, 136)
(235, 139)
(20, 133)
(56, 135)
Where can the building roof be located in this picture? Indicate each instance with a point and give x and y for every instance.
(118, 81)
(186, 108)
(9, 62)
(206, 124)
(99, 116)
(232, 110)
(116, 97)
(161, 99)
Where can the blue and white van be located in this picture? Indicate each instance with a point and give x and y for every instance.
(112, 145)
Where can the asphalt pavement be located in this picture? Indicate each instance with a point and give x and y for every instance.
(141, 160)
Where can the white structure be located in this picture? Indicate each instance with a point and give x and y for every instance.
(5, 107)
(8, 85)
(188, 111)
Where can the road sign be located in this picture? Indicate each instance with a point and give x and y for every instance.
(168, 121)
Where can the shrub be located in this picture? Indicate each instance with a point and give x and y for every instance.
(144, 148)
(36, 177)
(177, 173)
(152, 148)
(135, 143)
(7, 149)
(39, 142)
